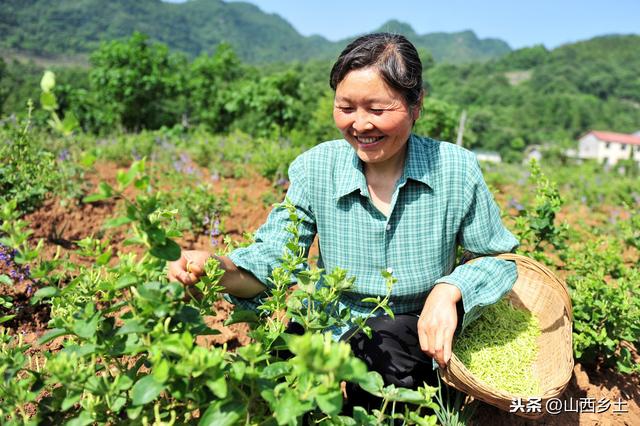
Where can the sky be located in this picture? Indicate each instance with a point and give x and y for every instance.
(521, 23)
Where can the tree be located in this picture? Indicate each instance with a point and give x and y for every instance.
(439, 120)
(136, 81)
(209, 85)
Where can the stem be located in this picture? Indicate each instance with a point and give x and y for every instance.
(382, 410)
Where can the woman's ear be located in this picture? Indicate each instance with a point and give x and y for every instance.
(416, 110)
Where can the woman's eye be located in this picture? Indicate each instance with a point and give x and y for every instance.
(377, 110)
(345, 109)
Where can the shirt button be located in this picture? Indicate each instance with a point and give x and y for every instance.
(388, 227)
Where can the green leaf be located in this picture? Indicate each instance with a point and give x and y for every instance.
(289, 407)
(43, 293)
(70, 123)
(52, 334)
(48, 101)
(82, 420)
(126, 281)
(146, 390)
(170, 250)
(132, 326)
(363, 418)
(408, 395)
(218, 386)
(228, 414)
(104, 258)
(86, 328)
(94, 197)
(161, 371)
(88, 160)
(104, 191)
(331, 402)
(241, 315)
(372, 382)
(142, 183)
(124, 179)
(275, 370)
(81, 351)
(6, 318)
(117, 221)
(70, 400)
(134, 412)
(4, 279)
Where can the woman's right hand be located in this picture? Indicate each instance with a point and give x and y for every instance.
(189, 268)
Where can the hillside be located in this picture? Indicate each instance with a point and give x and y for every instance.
(57, 28)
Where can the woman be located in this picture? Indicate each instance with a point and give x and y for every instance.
(384, 198)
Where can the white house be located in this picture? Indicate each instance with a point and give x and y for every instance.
(488, 156)
(609, 147)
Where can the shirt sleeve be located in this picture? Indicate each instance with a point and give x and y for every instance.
(264, 255)
(484, 281)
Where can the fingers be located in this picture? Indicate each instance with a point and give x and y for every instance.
(185, 270)
(436, 328)
(448, 343)
(194, 268)
(437, 343)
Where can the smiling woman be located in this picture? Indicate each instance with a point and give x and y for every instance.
(383, 199)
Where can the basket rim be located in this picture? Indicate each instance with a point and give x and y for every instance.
(456, 374)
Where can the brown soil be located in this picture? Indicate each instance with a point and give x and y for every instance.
(62, 226)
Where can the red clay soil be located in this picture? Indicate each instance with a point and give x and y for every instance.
(61, 227)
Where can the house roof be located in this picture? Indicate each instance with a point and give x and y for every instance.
(616, 137)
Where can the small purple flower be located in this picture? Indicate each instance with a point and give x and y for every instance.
(514, 204)
(64, 155)
(213, 232)
(282, 182)
(134, 153)
(206, 219)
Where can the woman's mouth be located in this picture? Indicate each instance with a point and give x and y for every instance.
(369, 139)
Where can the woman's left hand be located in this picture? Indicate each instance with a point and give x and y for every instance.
(438, 321)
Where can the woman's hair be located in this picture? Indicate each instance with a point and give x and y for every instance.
(395, 58)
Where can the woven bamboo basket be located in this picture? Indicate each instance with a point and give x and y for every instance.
(539, 291)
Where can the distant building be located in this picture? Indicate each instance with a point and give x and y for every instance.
(488, 156)
(609, 147)
(532, 152)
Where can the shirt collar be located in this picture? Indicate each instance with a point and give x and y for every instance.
(351, 177)
(416, 167)
(418, 164)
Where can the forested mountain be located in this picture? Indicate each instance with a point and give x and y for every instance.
(536, 96)
(515, 99)
(64, 27)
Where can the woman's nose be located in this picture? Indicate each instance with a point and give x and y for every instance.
(362, 122)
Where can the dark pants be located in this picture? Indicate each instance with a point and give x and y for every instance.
(393, 351)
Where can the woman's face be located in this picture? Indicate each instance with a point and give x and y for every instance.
(373, 117)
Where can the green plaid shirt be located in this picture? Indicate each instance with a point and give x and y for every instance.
(441, 201)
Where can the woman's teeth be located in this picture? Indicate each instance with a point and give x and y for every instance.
(369, 140)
